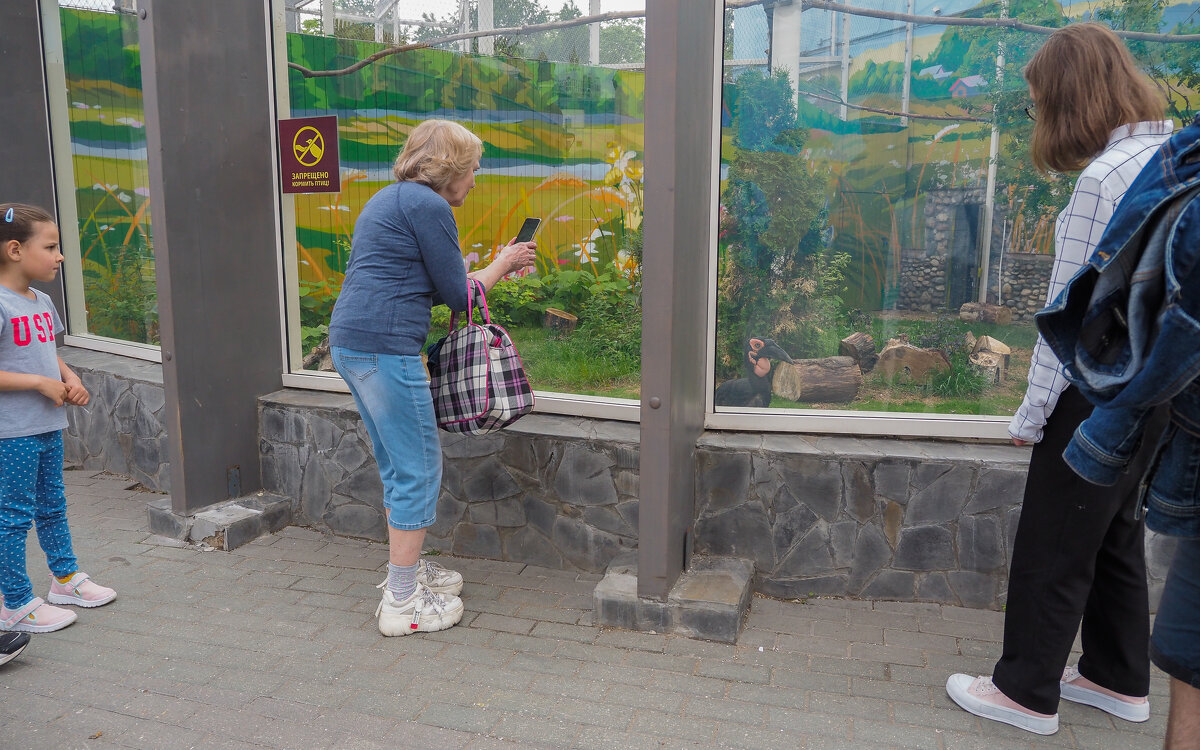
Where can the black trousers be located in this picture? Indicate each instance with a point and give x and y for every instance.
(1079, 555)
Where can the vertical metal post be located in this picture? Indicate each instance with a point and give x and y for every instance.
(682, 79)
(785, 42)
(464, 24)
(328, 18)
(593, 33)
(216, 237)
(28, 176)
(989, 190)
(381, 7)
(906, 91)
(845, 62)
(487, 20)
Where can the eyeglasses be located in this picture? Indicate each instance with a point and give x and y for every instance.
(1030, 112)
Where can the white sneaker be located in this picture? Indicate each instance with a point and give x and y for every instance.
(979, 696)
(437, 579)
(1122, 709)
(423, 612)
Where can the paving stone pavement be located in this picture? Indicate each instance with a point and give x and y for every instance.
(274, 645)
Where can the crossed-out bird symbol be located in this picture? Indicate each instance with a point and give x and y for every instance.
(308, 152)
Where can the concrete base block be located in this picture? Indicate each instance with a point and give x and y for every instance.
(709, 601)
(226, 525)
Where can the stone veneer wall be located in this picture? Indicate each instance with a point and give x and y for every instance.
(872, 518)
(922, 281)
(1025, 277)
(122, 428)
(560, 492)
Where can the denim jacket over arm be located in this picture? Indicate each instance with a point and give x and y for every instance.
(1127, 330)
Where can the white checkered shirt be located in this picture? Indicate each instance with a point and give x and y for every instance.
(1099, 189)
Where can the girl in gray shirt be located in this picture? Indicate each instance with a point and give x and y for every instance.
(34, 385)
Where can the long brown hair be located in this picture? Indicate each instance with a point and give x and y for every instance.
(1085, 85)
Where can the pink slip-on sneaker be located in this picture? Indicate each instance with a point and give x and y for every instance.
(80, 591)
(981, 697)
(1078, 689)
(35, 617)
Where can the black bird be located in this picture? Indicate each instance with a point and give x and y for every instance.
(755, 388)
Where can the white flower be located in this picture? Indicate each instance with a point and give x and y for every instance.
(124, 197)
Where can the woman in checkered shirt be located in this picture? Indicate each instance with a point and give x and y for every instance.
(1078, 555)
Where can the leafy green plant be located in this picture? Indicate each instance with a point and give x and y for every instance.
(516, 302)
(122, 301)
(610, 328)
(316, 305)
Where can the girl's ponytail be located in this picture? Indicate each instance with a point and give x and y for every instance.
(18, 221)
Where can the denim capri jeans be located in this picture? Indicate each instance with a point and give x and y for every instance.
(393, 397)
(1175, 645)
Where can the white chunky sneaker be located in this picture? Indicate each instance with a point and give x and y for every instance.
(423, 612)
(438, 579)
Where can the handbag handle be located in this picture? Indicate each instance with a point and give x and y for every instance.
(487, 315)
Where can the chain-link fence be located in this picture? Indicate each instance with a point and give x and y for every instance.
(618, 42)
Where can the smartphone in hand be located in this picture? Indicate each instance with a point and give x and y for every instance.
(528, 229)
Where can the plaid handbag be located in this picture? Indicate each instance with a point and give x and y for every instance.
(476, 375)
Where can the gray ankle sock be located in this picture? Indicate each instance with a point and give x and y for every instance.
(402, 580)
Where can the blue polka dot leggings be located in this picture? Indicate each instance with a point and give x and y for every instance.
(31, 491)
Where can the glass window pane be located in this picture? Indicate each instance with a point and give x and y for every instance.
(884, 238)
(561, 121)
(110, 178)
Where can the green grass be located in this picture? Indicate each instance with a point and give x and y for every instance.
(560, 364)
(566, 364)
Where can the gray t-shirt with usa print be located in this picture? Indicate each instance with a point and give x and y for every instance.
(28, 328)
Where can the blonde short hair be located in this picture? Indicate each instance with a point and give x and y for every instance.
(437, 152)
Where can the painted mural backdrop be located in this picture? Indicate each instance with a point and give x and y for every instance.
(112, 196)
(561, 142)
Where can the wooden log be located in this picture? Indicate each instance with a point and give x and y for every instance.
(995, 346)
(860, 347)
(827, 380)
(988, 364)
(985, 313)
(560, 322)
(319, 358)
(908, 363)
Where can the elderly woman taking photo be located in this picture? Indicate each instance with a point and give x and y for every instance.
(404, 259)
